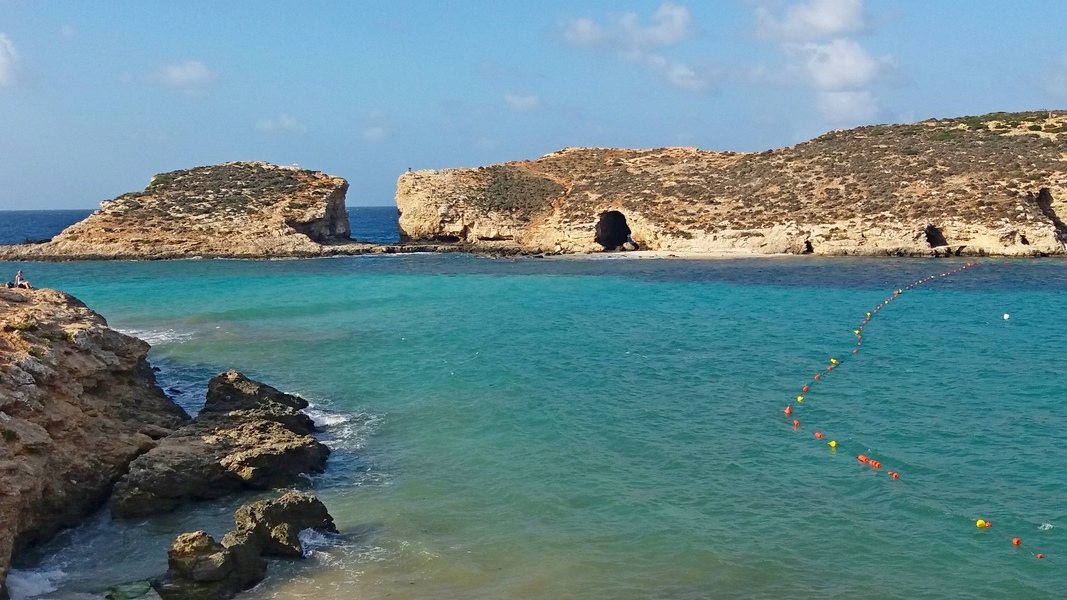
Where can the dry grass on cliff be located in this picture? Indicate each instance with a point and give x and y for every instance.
(977, 169)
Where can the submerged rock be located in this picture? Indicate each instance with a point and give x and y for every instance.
(248, 436)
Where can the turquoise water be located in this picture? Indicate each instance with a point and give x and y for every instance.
(600, 428)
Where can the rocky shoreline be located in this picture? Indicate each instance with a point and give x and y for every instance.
(84, 424)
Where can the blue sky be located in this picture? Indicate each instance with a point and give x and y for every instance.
(97, 97)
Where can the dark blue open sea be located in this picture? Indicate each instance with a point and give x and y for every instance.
(605, 428)
(369, 224)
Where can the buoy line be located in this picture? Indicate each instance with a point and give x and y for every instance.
(869, 461)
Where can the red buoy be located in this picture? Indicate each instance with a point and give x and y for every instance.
(805, 388)
(788, 409)
(796, 423)
(818, 435)
(1016, 541)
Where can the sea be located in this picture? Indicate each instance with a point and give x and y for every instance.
(607, 427)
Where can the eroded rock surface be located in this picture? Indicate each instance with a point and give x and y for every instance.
(248, 436)
(78, 402)
(200, 568)
(867, 191)
(237, 209)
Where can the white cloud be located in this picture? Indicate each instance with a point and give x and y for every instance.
(283, 123)
(523, 102)
(841, 64)
(641, 44)
(8, 58)
(670, 24)
(375, 128)
(191, 75)
(812, 20)
(847, 107)
(1054, 80)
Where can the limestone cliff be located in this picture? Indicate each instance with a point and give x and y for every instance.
(995, 184)
(237, 209)
(78, 402)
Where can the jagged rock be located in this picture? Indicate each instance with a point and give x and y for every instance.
(277, 523)
(249, 436)
(199, 568)
(866, 191)
(202, 569)
(78, 402)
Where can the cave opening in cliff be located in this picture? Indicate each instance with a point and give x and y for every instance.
(612, 230)
(934, 237)
(808, 247)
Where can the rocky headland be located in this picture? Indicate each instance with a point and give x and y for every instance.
(989, 185)
(78, 402)
(82, 419)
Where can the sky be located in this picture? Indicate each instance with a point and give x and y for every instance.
(97, 97)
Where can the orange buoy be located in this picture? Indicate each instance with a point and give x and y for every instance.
(875, 464)
(894, 475)
(1016, 541)
(818, 435)
(1041, 556)
(788, 409)
(804, 389)
(796, 423)
(862, 458)
(817, 377)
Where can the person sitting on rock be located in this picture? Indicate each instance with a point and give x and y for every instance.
(22, 283)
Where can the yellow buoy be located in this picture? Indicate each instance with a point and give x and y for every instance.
(980, 523)
(800, 398)
(832, 444)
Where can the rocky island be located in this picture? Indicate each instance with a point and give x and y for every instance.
(994, 184)
(238, 209)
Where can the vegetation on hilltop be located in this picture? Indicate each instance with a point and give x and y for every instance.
(978, 169)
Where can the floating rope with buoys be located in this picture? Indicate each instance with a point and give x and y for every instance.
(871, 462)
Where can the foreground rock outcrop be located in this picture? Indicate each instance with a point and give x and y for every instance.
(202, 569)
(248, 436)
(995, 184)
(78, 402)
(237, 209)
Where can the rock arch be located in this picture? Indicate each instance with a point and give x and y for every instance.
(612, 230)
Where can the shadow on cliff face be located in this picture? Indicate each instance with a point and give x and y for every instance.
(1044, 202)
(612, 230)
(935, 237)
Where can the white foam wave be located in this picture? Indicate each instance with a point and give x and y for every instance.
(160, 336)
(1045, 527)
(344, 430)
(313, 540)
(30, 584)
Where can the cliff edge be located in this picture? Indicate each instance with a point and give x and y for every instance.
(78, 402)
(994, 184)
(236, 209)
